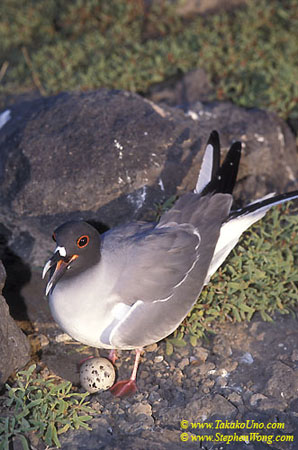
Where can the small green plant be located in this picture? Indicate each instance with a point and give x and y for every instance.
(41, 406)
(260, 275)
(161, 208)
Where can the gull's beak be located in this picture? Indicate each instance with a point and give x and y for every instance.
(59, 264)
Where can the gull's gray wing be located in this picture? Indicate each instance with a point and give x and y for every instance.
(158, 262)
(163, 271)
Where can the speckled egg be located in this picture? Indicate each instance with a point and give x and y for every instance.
(97, 374)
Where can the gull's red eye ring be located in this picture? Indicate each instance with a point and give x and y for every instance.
(83, 241)
(54, 237)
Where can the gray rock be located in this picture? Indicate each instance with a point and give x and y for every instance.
(110, 156)
(283, 384)
(221, 347)
(268, 146)
(257, 398)
(222, 407)
(201, 353)
(140, 409)
(14, 346)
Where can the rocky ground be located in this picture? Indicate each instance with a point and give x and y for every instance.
(245, 372)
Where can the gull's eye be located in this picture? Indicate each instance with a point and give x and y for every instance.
(54, 237)
(83, 241)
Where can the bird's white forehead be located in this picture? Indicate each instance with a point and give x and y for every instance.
(61, 251)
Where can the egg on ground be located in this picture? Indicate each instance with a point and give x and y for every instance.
(97, 374)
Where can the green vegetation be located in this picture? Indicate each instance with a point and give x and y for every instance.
(43, 407)
(260, 275)
(250, 54)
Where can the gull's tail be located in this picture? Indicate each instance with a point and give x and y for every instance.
(214, 178)
(239, 221)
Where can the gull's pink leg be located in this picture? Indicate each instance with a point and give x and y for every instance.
(113, 356)
(127, 387)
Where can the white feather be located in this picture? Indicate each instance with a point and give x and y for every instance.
(205, 174)
(61, 250)
(119, 310)
(123, 319)
(231, 231)
(5, 117)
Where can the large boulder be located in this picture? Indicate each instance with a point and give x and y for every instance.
(110, 156)
(14, 346)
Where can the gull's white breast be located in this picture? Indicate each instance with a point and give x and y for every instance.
(83, 305)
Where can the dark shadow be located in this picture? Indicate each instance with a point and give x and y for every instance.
(293, 124)
(17, 275)
(99, 226)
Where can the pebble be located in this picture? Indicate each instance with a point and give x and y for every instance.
(201, 353)
(43, 340)
(63, 337)
(221, 381)
(294, 356)
(172, 366)
(221, 347)
(255, 398)
(158, 359)
(208, 382)
(144, 374)
(151, 348)
(140, 408)
(229, 365)
(177, 376)
(235, 398)
(206, 368)
(246, 358)
(182, 351)
(260, 336)
(184, 362)
(154, 397)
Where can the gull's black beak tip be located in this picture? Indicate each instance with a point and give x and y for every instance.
(52, 263)
(58, 265)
